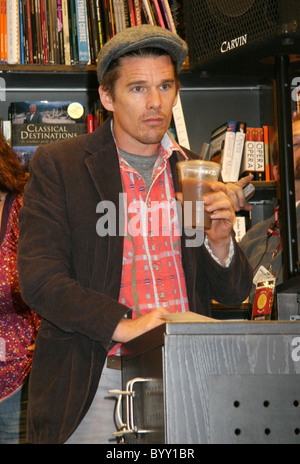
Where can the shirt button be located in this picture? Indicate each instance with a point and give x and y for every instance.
(155, 267)
(161, 295)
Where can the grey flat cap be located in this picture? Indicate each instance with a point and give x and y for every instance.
(137, 37)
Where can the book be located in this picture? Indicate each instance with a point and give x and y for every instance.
(52, 121)
(222, 146)
(179, 120)
(238, 151)
(73, 32)
(137, 10)
(259, 154)
(248, 160)
(60, 33)
(165, 15)
(159, 13)
(13, 32)
(82, 32)
(38, 25)
(267, 153)
(3, 31)
(131, 13)
(66, 32)
(93, 27)
(148, 12)
(21, 34)
(168, 15)
(44, 22)
(100, 23)
(29, 30)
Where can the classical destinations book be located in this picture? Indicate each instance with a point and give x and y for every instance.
(37, 123)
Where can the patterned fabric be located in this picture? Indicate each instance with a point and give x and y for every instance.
(152, 274)
(18, 324)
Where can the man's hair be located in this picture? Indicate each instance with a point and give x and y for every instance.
(113, 73)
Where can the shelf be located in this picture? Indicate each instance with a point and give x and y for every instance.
(40, 68)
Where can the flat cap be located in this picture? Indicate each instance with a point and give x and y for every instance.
(137, 37)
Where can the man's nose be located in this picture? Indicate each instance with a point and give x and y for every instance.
(154, 99)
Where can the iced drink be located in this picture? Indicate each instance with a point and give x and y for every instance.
(195, 178)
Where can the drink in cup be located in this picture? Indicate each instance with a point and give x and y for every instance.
(195, 177)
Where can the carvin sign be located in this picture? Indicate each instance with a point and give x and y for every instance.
(235, 43)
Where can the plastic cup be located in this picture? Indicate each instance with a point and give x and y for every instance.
(195, 178)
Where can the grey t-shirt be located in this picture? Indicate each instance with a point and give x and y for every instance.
(142, 164)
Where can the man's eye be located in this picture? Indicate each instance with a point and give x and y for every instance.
(137, 89)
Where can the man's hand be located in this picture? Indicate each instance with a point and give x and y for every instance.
(236, 193)
(128, 329)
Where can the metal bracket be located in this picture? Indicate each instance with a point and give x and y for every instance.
(129, 426)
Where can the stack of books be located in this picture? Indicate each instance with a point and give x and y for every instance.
(242, 150)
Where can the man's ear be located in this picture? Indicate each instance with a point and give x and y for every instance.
(176, 100)
(106, 99)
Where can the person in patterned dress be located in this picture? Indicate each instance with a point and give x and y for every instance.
(18, 323)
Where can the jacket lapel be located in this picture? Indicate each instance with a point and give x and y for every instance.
(103, 166)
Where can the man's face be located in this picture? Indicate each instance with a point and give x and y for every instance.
(145, 94)
(296, 145)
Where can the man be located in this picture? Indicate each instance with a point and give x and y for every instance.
(84, 283)
(262, 243)
(33, 116)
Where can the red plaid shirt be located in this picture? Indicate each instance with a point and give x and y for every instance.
(152, 275)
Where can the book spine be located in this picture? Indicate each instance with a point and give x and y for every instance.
(238, 152)
(180, 125)
(1, 33)
(111, 18)
(60, 33)
(66, 32)
(29, 30)
(13, 34)
(4, 51)
(108, 30)
(90, 123)
(21, 34)
(92, 14)
(44, 21)
(34, 31)
(138, 15)
(259, 155)
(248, 164)
(73, 32)
(165, 15)
(38, 25)
(148, 12)
(160, 18)
(169, 15)
(267, 153)
(100, 23)
(131, 13)
(82, 32)
(55, 25)
(228, 151)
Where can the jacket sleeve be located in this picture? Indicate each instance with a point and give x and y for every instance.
(45, 260)
(229, 286)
